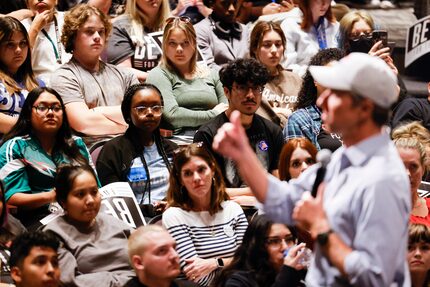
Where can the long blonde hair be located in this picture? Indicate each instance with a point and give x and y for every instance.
(190, 33)
(137, 16)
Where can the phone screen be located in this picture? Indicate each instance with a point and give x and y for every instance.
(380, 35)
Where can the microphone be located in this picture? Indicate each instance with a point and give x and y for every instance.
(323, 157)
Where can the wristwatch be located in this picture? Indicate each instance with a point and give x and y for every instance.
(322, 238)
(219, 262)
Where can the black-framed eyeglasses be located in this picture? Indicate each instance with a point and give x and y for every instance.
(184, 19)
(43, 110)
(243, 90)
(277, 241)
(144, 110)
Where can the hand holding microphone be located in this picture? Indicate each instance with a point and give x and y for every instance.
(323, 157)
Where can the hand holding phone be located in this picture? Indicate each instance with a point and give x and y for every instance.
(380, 35)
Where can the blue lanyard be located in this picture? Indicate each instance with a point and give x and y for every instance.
(320, 30)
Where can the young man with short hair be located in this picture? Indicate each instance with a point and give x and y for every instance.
(152, 253)
(34, 260)
(243, 82)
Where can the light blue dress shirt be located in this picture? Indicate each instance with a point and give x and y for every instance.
(367, 205)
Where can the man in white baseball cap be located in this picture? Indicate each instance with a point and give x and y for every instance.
(359, 217)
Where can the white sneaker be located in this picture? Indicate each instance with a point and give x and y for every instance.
(375, 2)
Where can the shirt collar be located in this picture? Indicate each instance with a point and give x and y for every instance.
(361, 152)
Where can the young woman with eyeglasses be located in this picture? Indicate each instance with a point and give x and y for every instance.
(268, 256)
(141, 156)
(192, 93)
(16, 73)
(128, 46)
(40, 141)
(355, 35)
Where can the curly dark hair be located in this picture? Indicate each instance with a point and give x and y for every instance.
(75, 18)
(244, 71)
(308, 92)
(252, 254)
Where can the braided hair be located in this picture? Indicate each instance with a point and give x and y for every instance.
(133, 132)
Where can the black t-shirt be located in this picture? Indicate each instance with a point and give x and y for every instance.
(328, 140)
(412, 109)
(264, 136)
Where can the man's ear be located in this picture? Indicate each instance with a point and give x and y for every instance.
(227, 93)
(15, 273)
(137, 262)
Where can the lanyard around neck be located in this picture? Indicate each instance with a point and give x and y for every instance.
(321, 36)
(57, 48)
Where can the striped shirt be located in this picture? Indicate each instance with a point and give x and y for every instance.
(200, 234)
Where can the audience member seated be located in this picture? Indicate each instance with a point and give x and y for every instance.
(129, 45)
(280, 94)
(413, 109)
(192, 93)
(16, 74)
(141, 156)
(413, 155)
(296, 156)
(220, 37)
(34, 260)
(243, 82)
(261, 260)
(152, 252)
(44, 30)
(355, 35)
(207, 227)
(40, 141)
(316, 31)
(419, 254)
(306, 121)
(93, 249)
(418, 131)
(91, 89)
(9, 229)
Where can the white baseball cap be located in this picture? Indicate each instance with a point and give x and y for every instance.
(361, 74)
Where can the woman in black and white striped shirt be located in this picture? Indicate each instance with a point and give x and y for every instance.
(207, 226)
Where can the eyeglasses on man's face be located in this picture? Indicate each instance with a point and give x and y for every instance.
(243, 90)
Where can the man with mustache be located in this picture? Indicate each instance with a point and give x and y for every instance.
(243, 82)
